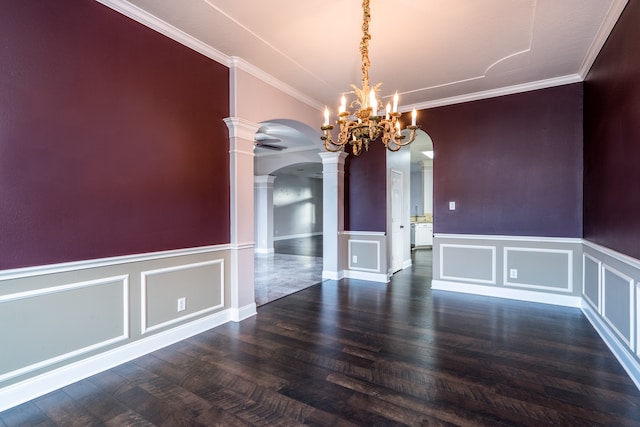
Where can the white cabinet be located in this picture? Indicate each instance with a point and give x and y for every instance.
(424, 234)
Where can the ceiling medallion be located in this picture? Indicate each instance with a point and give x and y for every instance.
(366, 124)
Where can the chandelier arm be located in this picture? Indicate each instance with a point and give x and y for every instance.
(412, 137)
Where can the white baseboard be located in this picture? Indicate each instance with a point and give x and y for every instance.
(627, 360)
(364, 275)
(332, 275)
(40, 385)
(264, 251)
(407, 263)
(238, 315)
(508, 293)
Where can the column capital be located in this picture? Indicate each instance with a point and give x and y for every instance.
(330, 157)
(263, 179)
(241, 128)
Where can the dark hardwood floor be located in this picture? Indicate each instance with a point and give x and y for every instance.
(360, 353)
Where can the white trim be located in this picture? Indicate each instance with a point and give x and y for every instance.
(493, 93)
(493, 279)
(613, 14)
(363, 275)
(407, 263)
(630, 365)
(297, 236)
(633, 262)
(256, 72)
(241, 313)
(332, 275)
(631, 341)
(148, 20)
(638, 320)
(365, 233)
(539, 239)
(585, 256)
(242, 246)
(144, 329)
(263, 251)
(375, 242)
(508, 293)
(505, 268)
(41, 270)
(32, 388)
(124, 282)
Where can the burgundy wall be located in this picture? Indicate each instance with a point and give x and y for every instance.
(612, 139)
(366, 190)
(512, 164)
(111, 137)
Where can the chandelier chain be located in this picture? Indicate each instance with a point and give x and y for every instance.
(364, 44)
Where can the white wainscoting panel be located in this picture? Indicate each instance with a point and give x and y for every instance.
(540, 265)
(481, 260)
(375, 264)
(589, 263)
(610, 313)
(144, 289)
(66, 292)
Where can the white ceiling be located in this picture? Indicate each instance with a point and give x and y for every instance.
(433, 52)
(428, 50)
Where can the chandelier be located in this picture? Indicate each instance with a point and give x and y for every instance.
(366, 124)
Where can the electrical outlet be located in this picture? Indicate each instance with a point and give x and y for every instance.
(452, 206)
(513, 273)
(355, 259)
(182, 304)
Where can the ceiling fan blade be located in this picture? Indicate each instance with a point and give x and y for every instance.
(269, 146)
(267, 140)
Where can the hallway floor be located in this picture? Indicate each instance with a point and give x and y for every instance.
(296, 265)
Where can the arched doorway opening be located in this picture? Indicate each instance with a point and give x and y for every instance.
(288, 204)
(421, 200)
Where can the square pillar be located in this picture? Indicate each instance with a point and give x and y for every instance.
(263, 190)
(332, 214)
(241, 137)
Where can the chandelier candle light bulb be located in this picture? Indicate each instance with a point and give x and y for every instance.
(365, 125)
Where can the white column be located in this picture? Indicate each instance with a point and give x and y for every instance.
(332, 214)
(263, 190)
(241, 136)
(427, 186)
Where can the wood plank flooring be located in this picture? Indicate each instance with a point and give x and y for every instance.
(355, 353)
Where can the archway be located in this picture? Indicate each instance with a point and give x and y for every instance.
(288, 209)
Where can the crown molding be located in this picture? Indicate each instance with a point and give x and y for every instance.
(493, 93)
(244, 65)
(613, 14)
(148, 20)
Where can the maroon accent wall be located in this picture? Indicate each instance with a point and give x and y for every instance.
(512, 164)
(111, 137)
(366, 190)
(612, 139)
